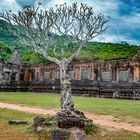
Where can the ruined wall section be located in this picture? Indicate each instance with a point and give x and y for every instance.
(118, 78)
(120, 70)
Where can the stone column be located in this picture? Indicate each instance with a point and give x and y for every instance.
(136, 74)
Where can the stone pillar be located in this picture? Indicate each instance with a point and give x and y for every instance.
(114, 74)
(77, 73)
(136, 74)
(17, 76)
(52, 74)
(26, 75)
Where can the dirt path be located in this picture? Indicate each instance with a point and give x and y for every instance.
(105, 121)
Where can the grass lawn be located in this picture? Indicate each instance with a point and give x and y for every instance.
(126, 110)
(15, 132)
(20, 132)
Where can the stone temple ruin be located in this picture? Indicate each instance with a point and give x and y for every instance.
(115, 78)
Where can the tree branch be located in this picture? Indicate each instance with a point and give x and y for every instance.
(76, 24)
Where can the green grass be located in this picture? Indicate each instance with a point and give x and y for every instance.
(20, 132)
(15, 132)
(116, 135)
(126, 110)
(32, 99)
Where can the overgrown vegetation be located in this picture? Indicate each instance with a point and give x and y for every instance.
(5, 51)
(94, 50)
(5, 36)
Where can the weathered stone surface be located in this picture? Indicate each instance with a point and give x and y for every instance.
(85, 74)
(40, 123)
(71, 74)
(74, 113)
(124, 75)
(47, 75)
(38, 128)
(39, 120)
(78, 135)
(15, 57)
(79, 113)
(60, 134)
(50, 123)
(88, 122)
(106, 76)
(16, 122)
(69, 122)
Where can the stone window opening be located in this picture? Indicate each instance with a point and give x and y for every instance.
(7, 76)
(37, 76)
(85, 74)
(47, 75)
(71, 74)
(106, 75)
(22, 73)
(58, 75)
(124, 75)
(13, 76)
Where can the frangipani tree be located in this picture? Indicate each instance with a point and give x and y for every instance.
(57, 29)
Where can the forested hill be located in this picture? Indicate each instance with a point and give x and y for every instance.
(93, 50)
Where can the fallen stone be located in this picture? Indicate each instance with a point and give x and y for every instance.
(16, 122)
(60, 134)
(69, 122)
(78, 135)
(39, 120)
(39, 128)
(88, 122)
(50, 123)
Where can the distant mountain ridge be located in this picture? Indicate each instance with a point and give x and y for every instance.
(94, 50)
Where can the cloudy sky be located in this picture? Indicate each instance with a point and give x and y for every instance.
(124, 24)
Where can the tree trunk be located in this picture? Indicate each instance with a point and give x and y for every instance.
(66, 102)
(68, 117)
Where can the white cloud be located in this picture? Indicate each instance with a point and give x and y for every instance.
(116, 38)
(9, 5)
(132, 19)
(9, 1)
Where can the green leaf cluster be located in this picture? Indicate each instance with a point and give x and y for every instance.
(5, 51)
